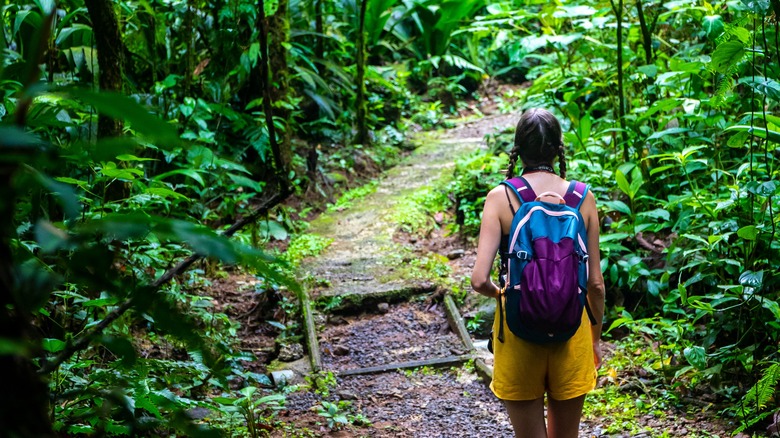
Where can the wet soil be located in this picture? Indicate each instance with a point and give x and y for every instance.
(405, 332)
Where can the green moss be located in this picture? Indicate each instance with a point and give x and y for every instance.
(305, 245)
(345, 201)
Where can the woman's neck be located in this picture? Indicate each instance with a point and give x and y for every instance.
(547, 168)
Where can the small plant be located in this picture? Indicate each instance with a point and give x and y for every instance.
(333, 413)
(474, 324)
(322, 382)
(256, 412)
(759, 402)
(330, 302)
(338, 414)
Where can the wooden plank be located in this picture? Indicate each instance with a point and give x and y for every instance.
(484, 370)
(441, 361)
(456, 322)
(311, 333)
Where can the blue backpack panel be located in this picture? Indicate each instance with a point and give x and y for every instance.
(546, 265)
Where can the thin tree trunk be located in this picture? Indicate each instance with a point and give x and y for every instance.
(621, 96)
(280, 170)
(647, 40)
(360, 101)
(278, 31)
(105, 27)
(319, 51)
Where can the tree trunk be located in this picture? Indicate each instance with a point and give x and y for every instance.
(24, 397)
(621, 97)
(647, 40)
(278, 80)
(360, 101)
(110, 49)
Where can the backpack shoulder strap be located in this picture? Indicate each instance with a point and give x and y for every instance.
(521, 188)
(575, 194)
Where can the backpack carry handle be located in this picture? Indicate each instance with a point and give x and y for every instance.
(558, 197)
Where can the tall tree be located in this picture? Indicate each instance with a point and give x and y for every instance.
(360, 101)
(278, 81)
(108, 40)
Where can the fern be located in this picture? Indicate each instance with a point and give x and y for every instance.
(758, 398)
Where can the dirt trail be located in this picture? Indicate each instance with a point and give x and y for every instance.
(363, 262)
(373, 354)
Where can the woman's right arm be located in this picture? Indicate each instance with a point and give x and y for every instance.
(489, 240)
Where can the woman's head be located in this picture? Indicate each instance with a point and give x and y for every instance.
(538, 141)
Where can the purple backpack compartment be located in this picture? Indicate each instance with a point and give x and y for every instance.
(546, 276)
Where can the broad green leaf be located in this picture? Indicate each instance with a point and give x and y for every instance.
(248, 391)
(122, 107)
(52, 345)
(166, 193)
(131, 157)
(658, 213)
(696, 356)
(111, 170)
(759, 7)
(191, 173)
(670, 131)
(243, 181)
(752, 279)
(622, 183)
(767, 118)
(713, 26)
(618, 206)
(772, 306)
(584, 128)
(648, 70)
(274, 230)
(726, 55)
(757, 132)
(574, 11)
(224, 400)
(764, 86)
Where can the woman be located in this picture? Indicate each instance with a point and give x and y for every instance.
(523, 371)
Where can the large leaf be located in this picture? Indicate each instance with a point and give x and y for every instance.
(757, 132)
(760, 7)
(727, 55)
(377, 14)
(765, 86)
(713, 26)
(122, 107)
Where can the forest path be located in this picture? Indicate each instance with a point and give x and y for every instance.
(392, 321)
(378, 350)
(363, 259)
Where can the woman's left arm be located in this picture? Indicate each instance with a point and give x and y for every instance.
(596, 290)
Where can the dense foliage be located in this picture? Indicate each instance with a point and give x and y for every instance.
(132, 130)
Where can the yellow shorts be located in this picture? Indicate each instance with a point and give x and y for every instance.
(525, 371)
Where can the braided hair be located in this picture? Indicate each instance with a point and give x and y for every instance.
(537, 142)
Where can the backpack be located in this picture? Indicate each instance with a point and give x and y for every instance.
(545, 266)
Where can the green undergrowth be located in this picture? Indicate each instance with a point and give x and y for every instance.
(305, 245)
(347, 199)
(416, 214)
(636, 382)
